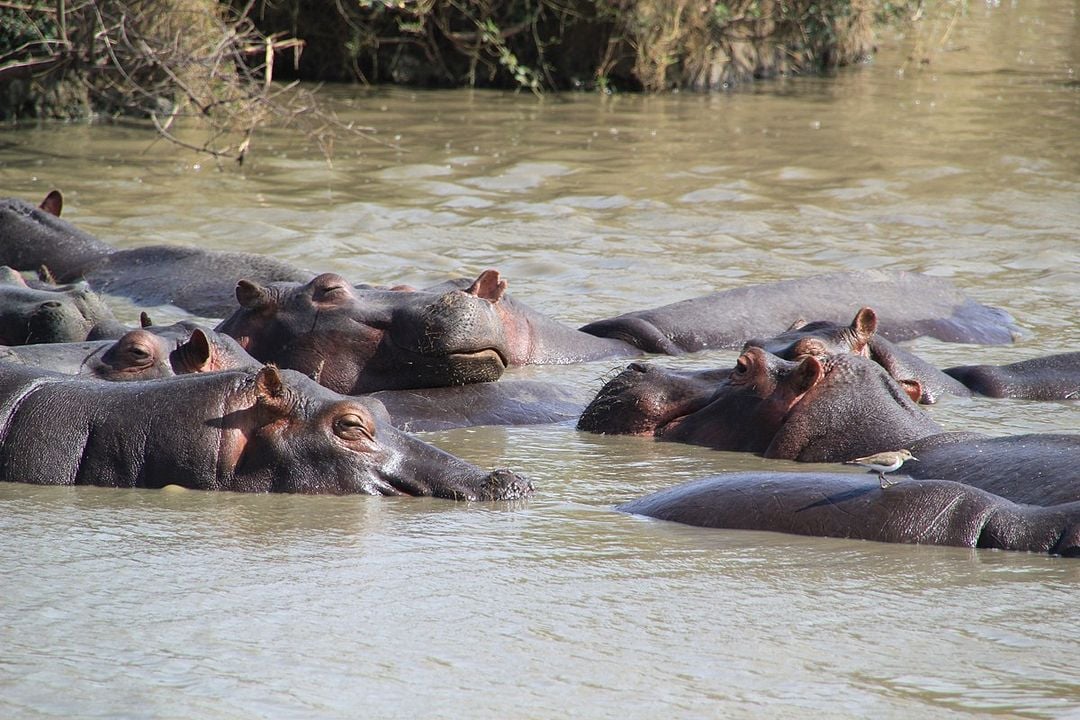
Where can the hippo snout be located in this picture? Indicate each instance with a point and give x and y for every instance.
(505, 484)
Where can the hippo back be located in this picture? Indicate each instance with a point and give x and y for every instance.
(31, 237)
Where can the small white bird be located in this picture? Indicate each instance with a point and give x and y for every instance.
(884, 462)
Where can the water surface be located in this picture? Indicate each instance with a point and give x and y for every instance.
(156, 604)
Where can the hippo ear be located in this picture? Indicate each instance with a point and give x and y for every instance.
(268, 383)
(53, 203)
(10, 276)
(251, 295)
(144, 320)
(797, 325)
(865, 323)
(913, 388)
(807, 374)
(194, 355)
(272, 399)
(45, 275)
(488, 286)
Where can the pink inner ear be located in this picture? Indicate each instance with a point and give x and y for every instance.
(913, 388)
(488, 286)
(865, 323)
(53, 203)
(249, 294)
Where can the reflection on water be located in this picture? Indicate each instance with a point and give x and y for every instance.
(216, 605)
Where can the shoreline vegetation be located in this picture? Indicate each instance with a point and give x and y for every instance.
(235, 66)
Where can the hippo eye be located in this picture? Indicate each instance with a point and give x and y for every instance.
(330, 292)
(352, 427)
(138, 353)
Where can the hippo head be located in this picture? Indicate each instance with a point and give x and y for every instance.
(854, 409)
(154, 352)
(746, 410)
(282, 432)
(48, 313)
(644, 397)
(366, 339)
(737, 409)
(822, 338)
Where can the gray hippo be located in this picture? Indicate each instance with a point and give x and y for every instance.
(1051, 377)
(268, 430)
(199, 281)
(366, 339)
(909, 305)
(45, 313)
(931, 512)
(1054, 377)
(144, 353)
(831, 410)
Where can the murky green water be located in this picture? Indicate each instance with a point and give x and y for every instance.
(150, 604)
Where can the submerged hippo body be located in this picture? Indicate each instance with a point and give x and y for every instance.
(507, 402)
(932, 512)
(832, 410)
(199, 281)
(51, 314)
(909, 305)
(1053, 377)
(249, 431)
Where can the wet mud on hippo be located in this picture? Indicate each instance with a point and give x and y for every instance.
(259, 431)
(932, 512)
(199, 281)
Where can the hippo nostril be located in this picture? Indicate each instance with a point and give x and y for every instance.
(49, 305)
(638, 367)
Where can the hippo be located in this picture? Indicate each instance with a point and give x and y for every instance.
(930, 512)
(909, 304)
(1054, 377)
(821, 338)
(363, 340)
(141, 354)
(47, 314)
(199, 281)
(264, 430)
(832, 410)
(753, 403)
